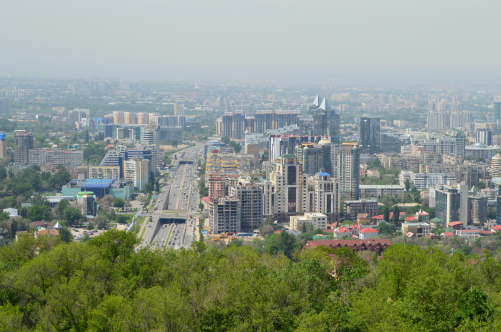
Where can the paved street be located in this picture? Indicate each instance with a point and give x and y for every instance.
(178, 200)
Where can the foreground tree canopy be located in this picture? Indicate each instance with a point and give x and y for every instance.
(103, 285)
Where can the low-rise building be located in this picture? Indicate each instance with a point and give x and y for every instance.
(468, 233)
(353, 208)
(418, 228)
(317, 220)
(368, 191)
(367, 233)
(104, 172)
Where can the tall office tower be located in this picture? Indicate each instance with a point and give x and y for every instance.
(150, 136)
(4, 108)
(437, 120)
(322, 195)
(458, 119)
(496, 110)
(484, 135)
(178, 109)
(216, 187)
(325, 120)
(345, 161)
(285, 189)
(86, 201)
(23, 142)
(249, 221)
(496, 166)
(370, 134)
(137, 171)
(450, 202)
(315, 157)
(238, 125)
(3, 146)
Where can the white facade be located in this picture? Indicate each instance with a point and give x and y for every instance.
(468, 233)
(317, 220)
(425, 180)
(136, 171)
(11, 212)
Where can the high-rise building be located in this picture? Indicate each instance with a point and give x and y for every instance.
(216, 187)
(496, 166)
(137, 171)
(484, 135)
(150, 136)
(458, 119)
(496, 110)
(325, 120)
(345, 163)
(322, 196)
(4, 108)
(55, 157)
(3, 146)
(252, 207)
(118, 117)
(370, 134)
(437, 120)
(477, 208)
(87, 203)
(266, 120)
(104, 172)
(23, 142)
(178, 109)
(315, 157)
(279, 143)
(450, 202)
(285, 189)
(225, 215)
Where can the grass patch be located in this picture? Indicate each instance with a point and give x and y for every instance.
(142, 233)
(140, 220)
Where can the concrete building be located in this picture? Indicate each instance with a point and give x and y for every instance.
(269, 120)
(484, 135)
(425, 180)
(55, 157)
(481, 150)
(23, 142)
(279, 143)
(477, 208)
(345, 163)
(367, 233)
(3, 146)
(437, 120)
(450, 202)
(369, 134)
(251, 199)
(285, 189)
(104, 172)
(316, 220)
(353, 208)
(496, 166)
(150, 137)
(315, 157)
(87, 203)
(178, 109)
(322, 196)
(417, 228)
(216, 187)
(368, 191)
(225, 215)
(496, 108)
(136, 171)
(458, 119)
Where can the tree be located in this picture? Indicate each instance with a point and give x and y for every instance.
(107, 199)
(225, 140)
(481, 185)
(72, 215)
(118, 203)
(61, 206)
(13, 229)
(174, 143)
(65, 235)
(86, 136)
(116, 244)
(157, 185)
(491, 213)
(385, 228)
(304, 227)
(3, 173)
(201, 206)
(407, 185)
(396, 215)
(386, 213)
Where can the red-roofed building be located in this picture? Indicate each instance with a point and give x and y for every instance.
(375, 245)
(456, 225)
(367, 233)
(487, 232)
(41, 223)
(109, 146)
(496, 228)
(410, 219)
(448, 234)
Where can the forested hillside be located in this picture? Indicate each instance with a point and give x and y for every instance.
(103, 285)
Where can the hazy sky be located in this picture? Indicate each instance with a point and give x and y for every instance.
(174, 38)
